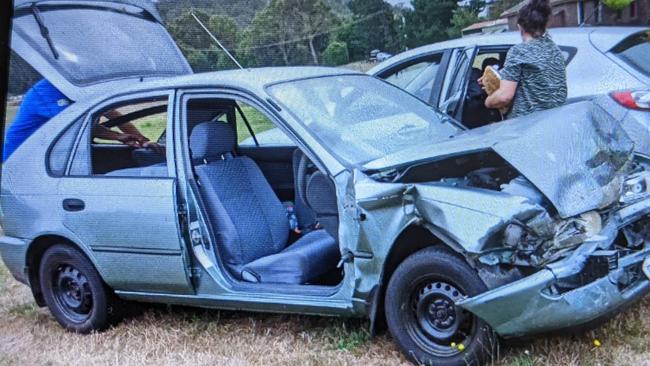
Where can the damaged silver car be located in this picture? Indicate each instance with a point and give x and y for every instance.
(379, 207)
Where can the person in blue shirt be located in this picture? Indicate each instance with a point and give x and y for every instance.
(44, 101)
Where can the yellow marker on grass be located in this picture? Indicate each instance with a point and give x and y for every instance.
(597, 343)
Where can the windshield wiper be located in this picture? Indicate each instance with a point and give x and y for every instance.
(45, 33)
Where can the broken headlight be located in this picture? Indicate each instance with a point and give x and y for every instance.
(635, 187)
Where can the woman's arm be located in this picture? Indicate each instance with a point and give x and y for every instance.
(502, 97)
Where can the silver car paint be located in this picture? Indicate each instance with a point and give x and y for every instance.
(590, 72)
(372, 214)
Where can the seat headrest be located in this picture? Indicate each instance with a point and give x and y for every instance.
(212, 140)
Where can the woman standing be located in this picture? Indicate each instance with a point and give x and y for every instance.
(534, 76)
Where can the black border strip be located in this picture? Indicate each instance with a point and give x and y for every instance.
(6, 15)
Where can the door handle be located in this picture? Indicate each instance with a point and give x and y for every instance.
(73, 204)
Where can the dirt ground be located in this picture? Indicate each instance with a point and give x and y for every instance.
(163, 336)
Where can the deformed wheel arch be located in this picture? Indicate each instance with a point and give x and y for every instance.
(412, 239)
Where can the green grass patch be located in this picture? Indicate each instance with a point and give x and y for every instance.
(257, 120)
(523, 360)
(23, 309)
(4, 276)
(346, 335)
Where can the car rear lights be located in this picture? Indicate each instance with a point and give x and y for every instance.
(637, 100)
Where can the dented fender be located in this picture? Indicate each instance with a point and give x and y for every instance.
(537, 304)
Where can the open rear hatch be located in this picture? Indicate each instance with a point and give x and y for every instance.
(90, 47)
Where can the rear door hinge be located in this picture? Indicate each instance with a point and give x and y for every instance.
(195, 272)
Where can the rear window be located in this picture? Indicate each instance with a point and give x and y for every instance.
(635, 51)
(93, 44)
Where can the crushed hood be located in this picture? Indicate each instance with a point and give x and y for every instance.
(576, 155)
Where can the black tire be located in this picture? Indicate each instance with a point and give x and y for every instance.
(74, 291)
(422, 317)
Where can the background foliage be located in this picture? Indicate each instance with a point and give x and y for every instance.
(302, 32)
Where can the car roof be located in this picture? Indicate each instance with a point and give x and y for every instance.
(604, 38)
(253, 79)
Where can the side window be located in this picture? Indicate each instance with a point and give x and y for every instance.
(60, 151)
(264, 133)
(125, 140)
(489, 58)
(417, 78)
(150, 122)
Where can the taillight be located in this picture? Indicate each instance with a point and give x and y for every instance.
(638, 100)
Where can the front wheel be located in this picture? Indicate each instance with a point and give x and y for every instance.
(74, 291)
(422, 315)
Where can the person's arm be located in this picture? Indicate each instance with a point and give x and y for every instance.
(502, 98)
(104, 133)
(511, 73)
(127, 128)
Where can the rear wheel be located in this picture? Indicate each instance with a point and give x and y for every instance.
(423, 318)
(74, 292)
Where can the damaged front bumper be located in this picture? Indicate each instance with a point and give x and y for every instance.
(595, 281)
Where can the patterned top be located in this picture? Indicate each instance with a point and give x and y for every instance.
(539, 69)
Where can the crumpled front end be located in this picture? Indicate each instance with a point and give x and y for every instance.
(544, 269)
(595, 280)
(544, 272)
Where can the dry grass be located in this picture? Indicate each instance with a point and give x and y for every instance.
(30, 336)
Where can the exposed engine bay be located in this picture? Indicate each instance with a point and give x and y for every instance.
(525, 244)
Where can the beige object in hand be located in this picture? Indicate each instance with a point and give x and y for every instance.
(491, 80)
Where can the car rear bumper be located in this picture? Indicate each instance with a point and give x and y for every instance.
(14, 252)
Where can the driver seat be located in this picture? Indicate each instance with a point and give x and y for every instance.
(250, 223)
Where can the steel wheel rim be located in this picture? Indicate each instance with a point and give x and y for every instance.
(435, 323)
(72, 293)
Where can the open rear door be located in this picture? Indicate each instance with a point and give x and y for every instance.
(89, 47)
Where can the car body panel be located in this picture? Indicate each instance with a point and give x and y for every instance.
(91, 30)
(567, 169)
(373, 213)
(589, 73)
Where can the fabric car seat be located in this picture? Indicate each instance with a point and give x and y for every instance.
(250, 222)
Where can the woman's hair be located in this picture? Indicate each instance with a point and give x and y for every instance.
(533, 17)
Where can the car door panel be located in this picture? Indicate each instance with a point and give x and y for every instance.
(109, 157)
(131, 226)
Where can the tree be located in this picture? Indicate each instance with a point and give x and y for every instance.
(428, 21)
(497, 7)
(462, 18)
(187, 32)
(226, 30)
(198, 47)
(373, 25)
(288, 30)
(317, 20)
(269, 38)
(336, 54)
(617, 5)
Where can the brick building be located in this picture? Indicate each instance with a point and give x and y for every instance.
(571, 13)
